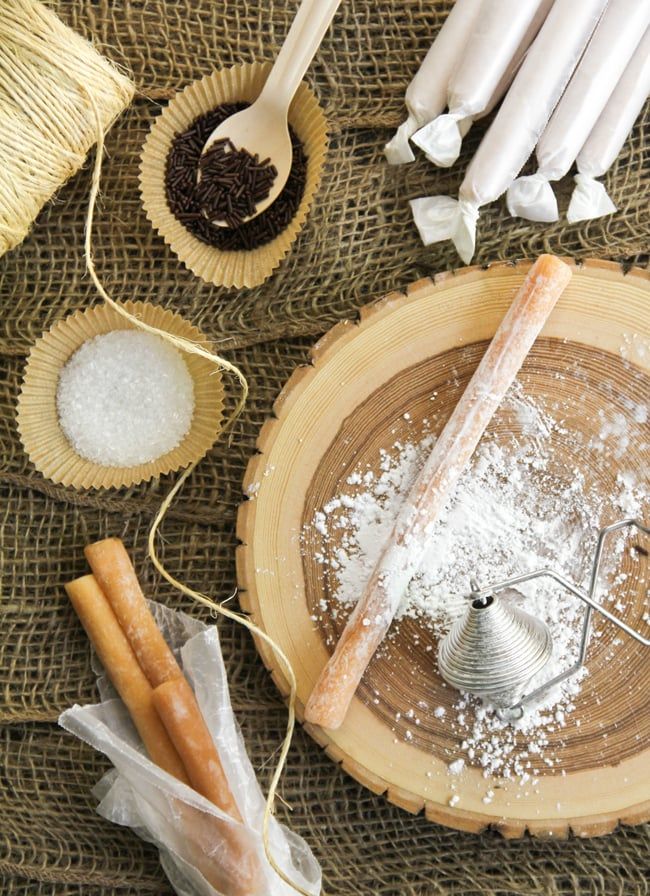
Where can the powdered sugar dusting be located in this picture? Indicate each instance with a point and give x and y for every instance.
(513, 511)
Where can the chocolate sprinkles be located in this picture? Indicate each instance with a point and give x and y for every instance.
(187, 200)
(233, 182)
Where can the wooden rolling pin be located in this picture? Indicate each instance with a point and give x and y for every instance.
(407, 543)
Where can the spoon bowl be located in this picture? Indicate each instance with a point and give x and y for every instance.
(262, 130)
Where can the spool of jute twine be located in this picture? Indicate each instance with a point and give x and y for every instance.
(58, 97)
(46, 73)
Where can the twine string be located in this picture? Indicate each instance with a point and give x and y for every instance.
(187, 345)
(49, 78)
(46, 72)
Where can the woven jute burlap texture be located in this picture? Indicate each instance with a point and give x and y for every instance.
(358, 243)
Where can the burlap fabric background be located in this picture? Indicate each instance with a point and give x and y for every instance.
(359, 242)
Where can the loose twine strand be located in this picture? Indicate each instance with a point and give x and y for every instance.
(187, 345)
(49, 77)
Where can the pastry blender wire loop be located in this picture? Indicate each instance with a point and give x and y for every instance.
(516, 711)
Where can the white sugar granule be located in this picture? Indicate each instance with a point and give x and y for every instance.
(125, 398)
(512, 511)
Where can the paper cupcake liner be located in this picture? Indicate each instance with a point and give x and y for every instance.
(241, 83)
(38, 422)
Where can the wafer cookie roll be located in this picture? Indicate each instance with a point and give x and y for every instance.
(181, 716)
(594, 80)
(223, 849)
(590, 198)
(502, 34)
(410, 537)
(426, 95)
(526, 108)
(172, 696)
(224, 855)
(112, 567)
(121, 665)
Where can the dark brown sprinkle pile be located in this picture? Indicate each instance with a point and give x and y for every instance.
(183, 195)
(233, 182)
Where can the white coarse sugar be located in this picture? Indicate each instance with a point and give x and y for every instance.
(125, 398)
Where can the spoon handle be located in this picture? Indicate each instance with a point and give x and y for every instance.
(305, 35)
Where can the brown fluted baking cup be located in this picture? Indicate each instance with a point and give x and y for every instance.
(38, 422)
(241, 83)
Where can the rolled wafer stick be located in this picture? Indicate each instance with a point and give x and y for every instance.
(112, 567)
(181, 716)
(121, 665)
(224, 854)
(406, 545)
(173, 698)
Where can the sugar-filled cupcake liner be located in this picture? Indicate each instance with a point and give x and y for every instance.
(241, 83)
(38, 422)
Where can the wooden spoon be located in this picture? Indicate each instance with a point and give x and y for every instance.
(263, 128)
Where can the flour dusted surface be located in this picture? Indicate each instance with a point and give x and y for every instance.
(513, 511)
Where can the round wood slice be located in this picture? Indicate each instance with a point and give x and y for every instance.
(593, 356)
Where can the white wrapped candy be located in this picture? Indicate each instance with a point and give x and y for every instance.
(590, 198)
(610, 49)
(526, 109)
(502, 34)
(426, 95)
